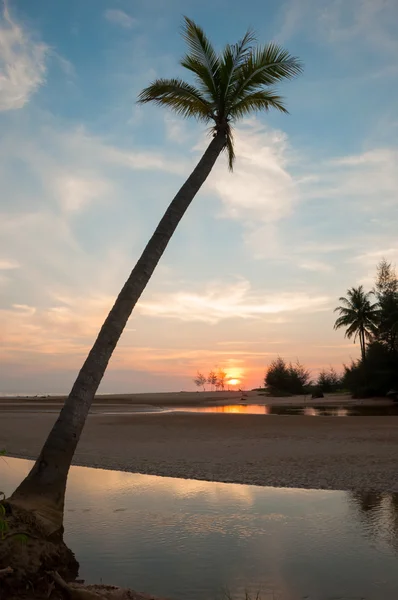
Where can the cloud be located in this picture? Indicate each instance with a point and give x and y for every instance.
(374, 256)
(292, 14)
(235, 301)
(75, 193)
(261, 187)
(22, 63)
(176, 130)
(119, 17)
(316, 266)
(6, 265)
(273, 181)
(371, 23)
(72, 169)
(368, 179)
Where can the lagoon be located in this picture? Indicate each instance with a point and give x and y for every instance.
(187, 539)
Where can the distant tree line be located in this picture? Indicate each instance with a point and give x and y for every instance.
(285, 379)
(216, 380)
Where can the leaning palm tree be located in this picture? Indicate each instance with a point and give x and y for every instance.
(227, 86)
(358, 315)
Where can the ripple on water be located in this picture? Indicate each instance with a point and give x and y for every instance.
(191, 539)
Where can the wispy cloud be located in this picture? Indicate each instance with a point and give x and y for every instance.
(230, 301)
(361, 177)
(371, 23)
(73, 169)
(373, 256)
(119, 17)
(261, 187)
(76, 192)
(316, 266)
(6, 265)
(272, 181)
(22, 63)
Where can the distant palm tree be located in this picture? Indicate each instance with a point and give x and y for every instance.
(358, 315)
(228, 86)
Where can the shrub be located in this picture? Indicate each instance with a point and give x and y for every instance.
(328, 381)
(283, 379)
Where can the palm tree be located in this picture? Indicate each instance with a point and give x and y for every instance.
(358, 315)
(227, 86)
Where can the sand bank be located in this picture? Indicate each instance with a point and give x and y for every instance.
(287, 451)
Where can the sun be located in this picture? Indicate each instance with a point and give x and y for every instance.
(233, 381)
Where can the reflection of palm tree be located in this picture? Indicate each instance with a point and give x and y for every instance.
(228, 86)
(393, 519)
(378, 512)
(358, 315)
(367, 501)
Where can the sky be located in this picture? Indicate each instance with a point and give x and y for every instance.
(263, 254)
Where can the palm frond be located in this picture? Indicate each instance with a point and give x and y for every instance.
(229, 147)
(266, 65)
(261, 100)
(357, 314)
(233, 57)
(228, 85)
(201, 58)
(178, 95)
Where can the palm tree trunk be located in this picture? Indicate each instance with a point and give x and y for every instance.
(43, 490)
(362, 342)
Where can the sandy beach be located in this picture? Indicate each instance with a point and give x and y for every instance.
(287, 451)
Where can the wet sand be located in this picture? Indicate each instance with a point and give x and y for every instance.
(287, 451)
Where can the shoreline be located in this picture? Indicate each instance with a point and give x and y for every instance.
(213, 398)
(86, 465)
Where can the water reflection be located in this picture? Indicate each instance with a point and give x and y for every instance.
(308, 411)
(378, 513)
(190, 539)
(242, 409)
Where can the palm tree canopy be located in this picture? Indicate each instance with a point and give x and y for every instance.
(357, 313)
(228, 85)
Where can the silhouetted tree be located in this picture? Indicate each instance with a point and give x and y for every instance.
(328, 381)
(358, 315)
(221, 377)
(200, 380)
(212, 379)
(386, 292)
(286, 378)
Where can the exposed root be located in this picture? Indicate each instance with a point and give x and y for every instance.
(73, 592)
(27, 554)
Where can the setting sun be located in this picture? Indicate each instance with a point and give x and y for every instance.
(233, 381)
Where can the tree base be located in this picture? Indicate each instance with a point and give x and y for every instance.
(28, 555)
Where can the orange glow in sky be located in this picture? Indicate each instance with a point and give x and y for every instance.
(233, 381)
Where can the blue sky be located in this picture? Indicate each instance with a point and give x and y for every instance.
(263, 254)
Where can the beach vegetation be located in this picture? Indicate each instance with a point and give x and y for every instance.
(282, 378)
(375, 323)
(329, 381)
(358, 315)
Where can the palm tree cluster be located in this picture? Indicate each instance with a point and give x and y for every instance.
(372, 318)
